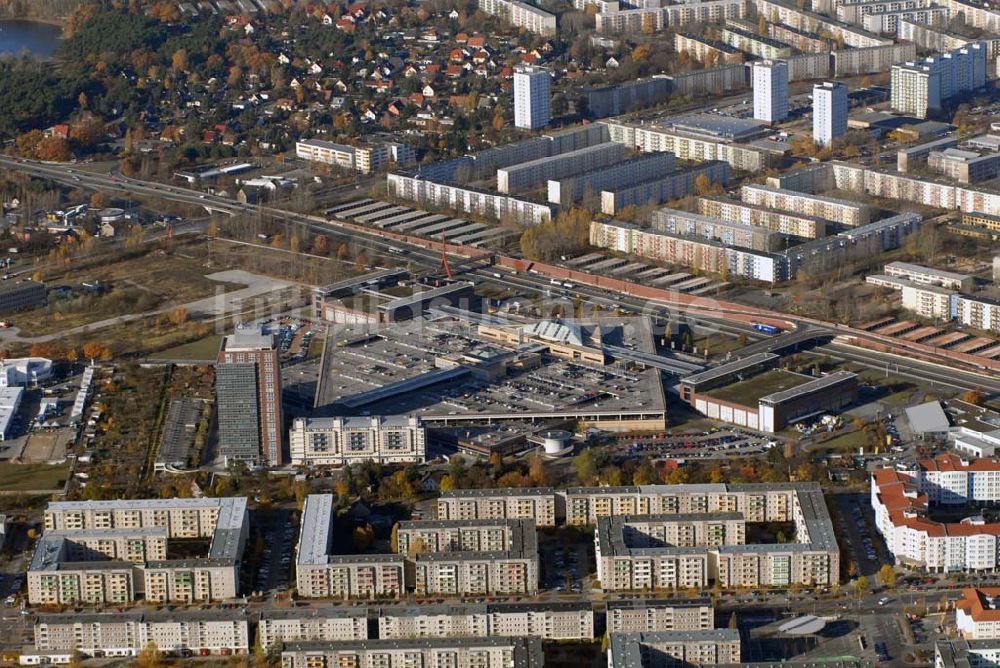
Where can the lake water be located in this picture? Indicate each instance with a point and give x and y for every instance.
(40, 39)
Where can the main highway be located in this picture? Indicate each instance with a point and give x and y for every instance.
(808, 332)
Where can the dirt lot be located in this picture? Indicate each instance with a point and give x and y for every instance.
(45, 446)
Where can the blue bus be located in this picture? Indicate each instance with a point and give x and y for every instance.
(767, 329)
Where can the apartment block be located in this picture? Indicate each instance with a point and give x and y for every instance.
(788, 224)
(920, 88)
(978, 312)
(395, 439)
(513, 571)
(537, 503)
(113, 551)
(901, 502)
(621, 98)
(871, 59)
(567, 190)
(921, 275)
(366, 159)
(547, 621)
(652, 138)
(675, 648)
(964, 166)
(887, 23)
(787, 13)
(657, 191)
(649, 615)
(461, 535)
(319, 574)
(416, 188)
(835, 210)
(707, 51)
(829, 112)
(803, 41)
(277, 626)
(976, 613)
(531, 175)
(929, 301)
(770, 90)
(657, 18)
(965, 653)
(427, 653)
(684, 223)
(752, 43)
(661, 551)
(109, 635)
(704, 254)
(521, 15)
(532, 93)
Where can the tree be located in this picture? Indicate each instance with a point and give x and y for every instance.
(93, 350)
(99, 200)
(447, 484)
(585, 464)
(536, 471)
(149, 657)
(887, 574)
(861, 586)
(644, 474)
(762, 26)
(640, 54)
(53, 149)
(321, 244)
(733, 621)
(974, 397)
(178, 316)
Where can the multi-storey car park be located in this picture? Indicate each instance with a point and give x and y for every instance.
(114, 551)
(451, 373)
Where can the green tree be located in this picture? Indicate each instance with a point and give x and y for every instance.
(585, 465)
(861, 586)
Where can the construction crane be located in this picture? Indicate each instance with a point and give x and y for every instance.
(444, 259)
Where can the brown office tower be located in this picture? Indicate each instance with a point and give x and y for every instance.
(248, 396)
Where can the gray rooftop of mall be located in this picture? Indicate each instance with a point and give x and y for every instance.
(811, 387)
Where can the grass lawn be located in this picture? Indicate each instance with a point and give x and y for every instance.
(206, 349)
(28, 477)
(851, 440)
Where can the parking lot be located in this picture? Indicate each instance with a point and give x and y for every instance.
(856, 527)
(273, 568)
(715, 443)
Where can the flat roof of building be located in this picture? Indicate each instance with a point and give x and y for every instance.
(750, 391)
(927, 418)
(730, 368)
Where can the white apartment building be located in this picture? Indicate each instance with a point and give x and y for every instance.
(901, 501)
(829, 111)
(643, 616)
(365, 159)
(520, 14)
(492, 652)
(770, 90)
(836, 210)
(675, 648)
(318, 574)
(532, 94)
(547, 621)
(976, 614)
(916, 273)
(978, 312)
(324, 623)
(338, 441)
(126, 634)
(537, 503)
(929, 301)
(123, 544)
(919, 88)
